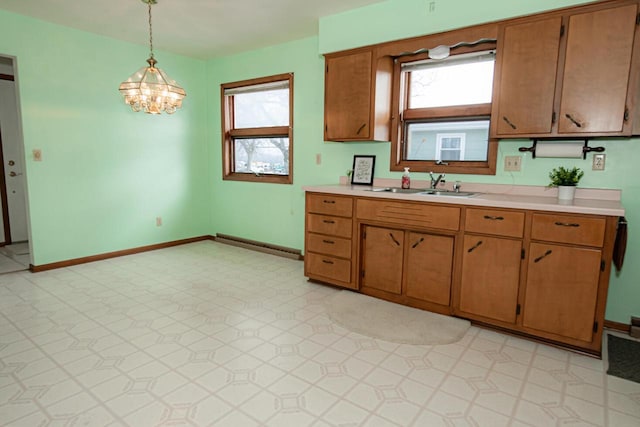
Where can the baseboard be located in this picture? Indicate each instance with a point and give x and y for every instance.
(259, 246)
(617, 326)
(115, 254)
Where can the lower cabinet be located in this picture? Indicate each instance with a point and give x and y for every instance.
(562, 291)
(490, 277)
(541, 274)
(410, 264)
(382, 259)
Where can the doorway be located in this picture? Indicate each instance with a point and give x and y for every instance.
(15, 248)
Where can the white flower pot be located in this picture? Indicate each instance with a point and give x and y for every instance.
(566, 192)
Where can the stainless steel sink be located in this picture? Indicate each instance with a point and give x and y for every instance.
(448, 193)
(425, 191)
(398, 190)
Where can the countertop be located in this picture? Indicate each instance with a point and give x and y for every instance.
(588, 201)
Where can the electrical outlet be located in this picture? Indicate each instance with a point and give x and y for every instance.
(512, 163)
(158, 221)
(318, 159)
(432, 6)
(37, 155)
(598, 162)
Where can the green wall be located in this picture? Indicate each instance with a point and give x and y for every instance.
(108, 173)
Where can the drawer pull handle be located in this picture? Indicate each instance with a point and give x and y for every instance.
(329, 242)
(394, 239)
(474, 247)
(494, 218)
(360, 128)
(326, 261)
(542, 256)
(415, 245)
(567, 224)
(328, 221)
(329, 201)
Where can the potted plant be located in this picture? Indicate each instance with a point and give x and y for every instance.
(566, 180)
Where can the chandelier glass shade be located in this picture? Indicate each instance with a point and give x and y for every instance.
(150, 89)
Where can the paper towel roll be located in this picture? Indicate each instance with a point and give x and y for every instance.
(562, 149)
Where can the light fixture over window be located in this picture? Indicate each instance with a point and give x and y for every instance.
(150, 89)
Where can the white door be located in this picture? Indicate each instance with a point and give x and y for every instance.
(13, 162)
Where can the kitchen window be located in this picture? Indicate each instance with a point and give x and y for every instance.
(257, 123)
(444, 108)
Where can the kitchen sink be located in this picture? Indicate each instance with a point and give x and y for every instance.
(425, 191)
(448, 193)
(398, 190)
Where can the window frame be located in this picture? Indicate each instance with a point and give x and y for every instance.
(229, 133)
(402, 116)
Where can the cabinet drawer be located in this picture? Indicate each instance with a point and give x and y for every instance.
(330, 205)
(329, 267)
(332, 225)
(578, 230)
(329, 245)
(418, 214)
(502, 223)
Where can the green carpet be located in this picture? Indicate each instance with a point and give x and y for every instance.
(624, 358)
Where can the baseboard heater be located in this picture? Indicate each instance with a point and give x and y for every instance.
(259, 246)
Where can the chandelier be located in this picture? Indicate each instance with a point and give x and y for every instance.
(150, 89)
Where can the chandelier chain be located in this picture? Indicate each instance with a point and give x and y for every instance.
(150, 31)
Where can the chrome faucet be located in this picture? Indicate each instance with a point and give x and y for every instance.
(436, 181)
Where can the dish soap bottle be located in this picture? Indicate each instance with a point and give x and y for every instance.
(406, 179)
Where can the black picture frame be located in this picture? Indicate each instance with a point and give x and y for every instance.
(363, 169)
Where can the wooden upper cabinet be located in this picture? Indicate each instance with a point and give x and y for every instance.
(596, 71)
(569, 74)
(357, 104)
(527, 80)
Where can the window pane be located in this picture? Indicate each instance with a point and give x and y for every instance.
(445, 85)
(262, 156)
(433, 140)
(262, 109)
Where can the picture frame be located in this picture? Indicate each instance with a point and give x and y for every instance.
(363, 169)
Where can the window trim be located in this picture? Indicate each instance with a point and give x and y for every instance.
(229, 133)
(401, 116)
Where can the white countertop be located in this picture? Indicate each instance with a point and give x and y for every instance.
(587, 201)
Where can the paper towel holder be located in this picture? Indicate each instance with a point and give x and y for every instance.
(585, 149)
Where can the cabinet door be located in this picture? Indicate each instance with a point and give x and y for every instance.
(562, 290)
(382, 259)
(428, 267)
(596, 71)
(528, 77)
(348, 96)
(490, 277)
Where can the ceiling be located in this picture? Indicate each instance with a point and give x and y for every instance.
(198, 28)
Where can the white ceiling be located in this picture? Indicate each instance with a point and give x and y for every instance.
(197, 28)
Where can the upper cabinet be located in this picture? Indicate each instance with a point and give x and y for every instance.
(357, 100)
(568, 74)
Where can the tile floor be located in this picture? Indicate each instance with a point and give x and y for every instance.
(212, 335)
(14, 257)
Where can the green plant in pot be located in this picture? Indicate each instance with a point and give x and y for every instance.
(566, 180)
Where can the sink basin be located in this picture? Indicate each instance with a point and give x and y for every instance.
(398, 190)
(448, 193)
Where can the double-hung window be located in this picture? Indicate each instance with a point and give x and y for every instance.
(444, 109)
(257, 123)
